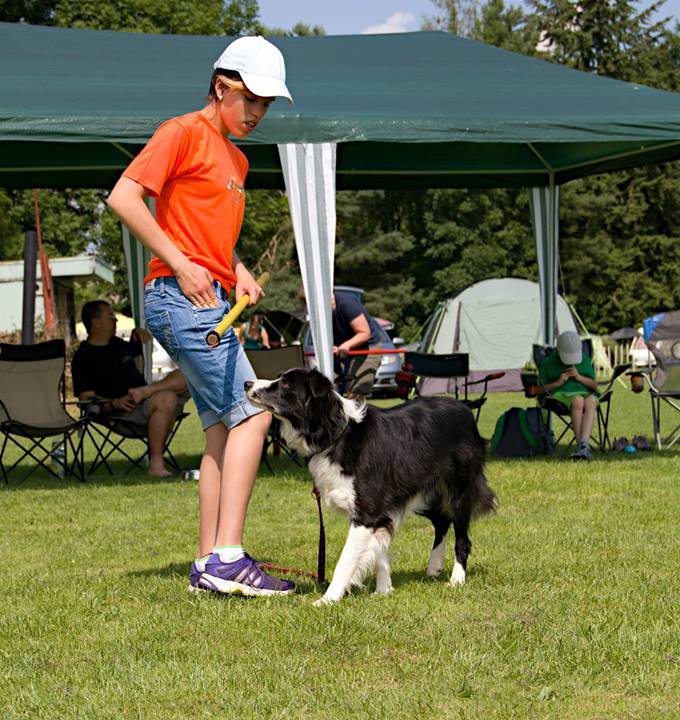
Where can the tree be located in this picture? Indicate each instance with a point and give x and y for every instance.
(608, 37)
(619, 232)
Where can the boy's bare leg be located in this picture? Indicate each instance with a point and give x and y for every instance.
(577, 417)
(209, 487)
(242, 453)
(588, 418)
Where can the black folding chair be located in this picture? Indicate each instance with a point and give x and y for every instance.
(663, 379)
(110, 433)
(32, 399)
(563, 413)
(452, 366)
(268, 365)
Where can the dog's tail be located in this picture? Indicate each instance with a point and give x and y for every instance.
(485, 500)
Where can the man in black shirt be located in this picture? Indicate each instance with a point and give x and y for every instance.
(355, 329)
(104, 367)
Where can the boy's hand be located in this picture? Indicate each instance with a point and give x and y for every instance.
(246, 283)
(195, 282)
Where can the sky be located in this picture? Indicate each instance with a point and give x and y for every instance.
(349, 17)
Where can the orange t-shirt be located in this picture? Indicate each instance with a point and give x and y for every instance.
(197, 176)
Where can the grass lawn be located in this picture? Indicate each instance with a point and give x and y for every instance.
(571, 607)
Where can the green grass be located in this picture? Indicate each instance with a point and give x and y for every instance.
(571, 608)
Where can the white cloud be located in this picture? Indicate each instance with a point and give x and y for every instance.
(395, 23)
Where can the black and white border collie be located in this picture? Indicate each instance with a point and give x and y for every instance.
(377, 465)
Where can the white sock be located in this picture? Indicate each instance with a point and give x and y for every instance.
(229, 553)
(200, 563)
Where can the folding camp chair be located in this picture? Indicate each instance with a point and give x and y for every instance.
(663, 379)
(453, 366)
(268, 365)
(563, 413)
(32, 399)
(110, 433)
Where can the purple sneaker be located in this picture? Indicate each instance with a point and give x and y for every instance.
(194, 577)
(242, 576)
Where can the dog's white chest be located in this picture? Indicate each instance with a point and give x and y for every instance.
(336, 488)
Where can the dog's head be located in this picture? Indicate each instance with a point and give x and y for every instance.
(306, 401)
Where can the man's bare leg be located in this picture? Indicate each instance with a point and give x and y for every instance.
(162, 413)
(173, 381)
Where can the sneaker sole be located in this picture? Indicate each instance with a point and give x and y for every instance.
(229, 587)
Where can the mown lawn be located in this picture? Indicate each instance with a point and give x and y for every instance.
(571, 609)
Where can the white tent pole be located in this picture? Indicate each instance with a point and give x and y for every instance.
(309, 174)
(545, 217)
(137, 258)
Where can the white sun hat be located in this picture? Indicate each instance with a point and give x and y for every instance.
(569, 348)
(260, 65)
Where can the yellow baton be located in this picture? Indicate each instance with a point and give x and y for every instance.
(214, 336)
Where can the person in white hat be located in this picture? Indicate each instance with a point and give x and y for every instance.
(197, 176)
(569, 376)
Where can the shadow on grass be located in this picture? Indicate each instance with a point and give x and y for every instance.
(180, 571)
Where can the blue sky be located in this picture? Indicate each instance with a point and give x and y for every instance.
(340, 17)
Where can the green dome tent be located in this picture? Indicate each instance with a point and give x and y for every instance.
(496, 322)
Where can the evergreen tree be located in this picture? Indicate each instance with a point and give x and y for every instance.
(620, 232)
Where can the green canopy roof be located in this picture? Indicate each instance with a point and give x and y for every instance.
(416, 109)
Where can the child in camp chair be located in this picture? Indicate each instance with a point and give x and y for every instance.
(569, 376)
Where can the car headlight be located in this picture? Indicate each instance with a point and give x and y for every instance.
(388, 359)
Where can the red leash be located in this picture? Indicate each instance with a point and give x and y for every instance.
(320, 574)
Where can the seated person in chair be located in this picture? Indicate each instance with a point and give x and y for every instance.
(104, 367)
(569, 377)
(353, 329)
(253, 335)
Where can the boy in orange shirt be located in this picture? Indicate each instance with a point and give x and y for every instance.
(197, 175)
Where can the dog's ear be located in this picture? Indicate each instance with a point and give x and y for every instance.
(319, 384)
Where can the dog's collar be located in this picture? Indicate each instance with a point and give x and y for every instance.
(334, 440)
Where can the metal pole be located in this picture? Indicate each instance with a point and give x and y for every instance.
(28, 309)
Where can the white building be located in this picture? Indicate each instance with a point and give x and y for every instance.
(65, 272)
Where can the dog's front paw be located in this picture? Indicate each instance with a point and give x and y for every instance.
(325, 600)
(434, 570)
(458, 575)
(384, 590)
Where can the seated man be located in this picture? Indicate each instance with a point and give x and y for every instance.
(353, 329)
(569, 376)
(104, 367)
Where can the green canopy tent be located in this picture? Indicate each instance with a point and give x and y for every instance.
(371, 111)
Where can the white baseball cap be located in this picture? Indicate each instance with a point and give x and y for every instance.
(260, 65)
(569, 348)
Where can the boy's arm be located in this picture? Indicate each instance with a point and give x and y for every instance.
(127, 201)
(588, 379)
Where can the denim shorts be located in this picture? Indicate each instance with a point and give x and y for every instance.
(215, 374)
